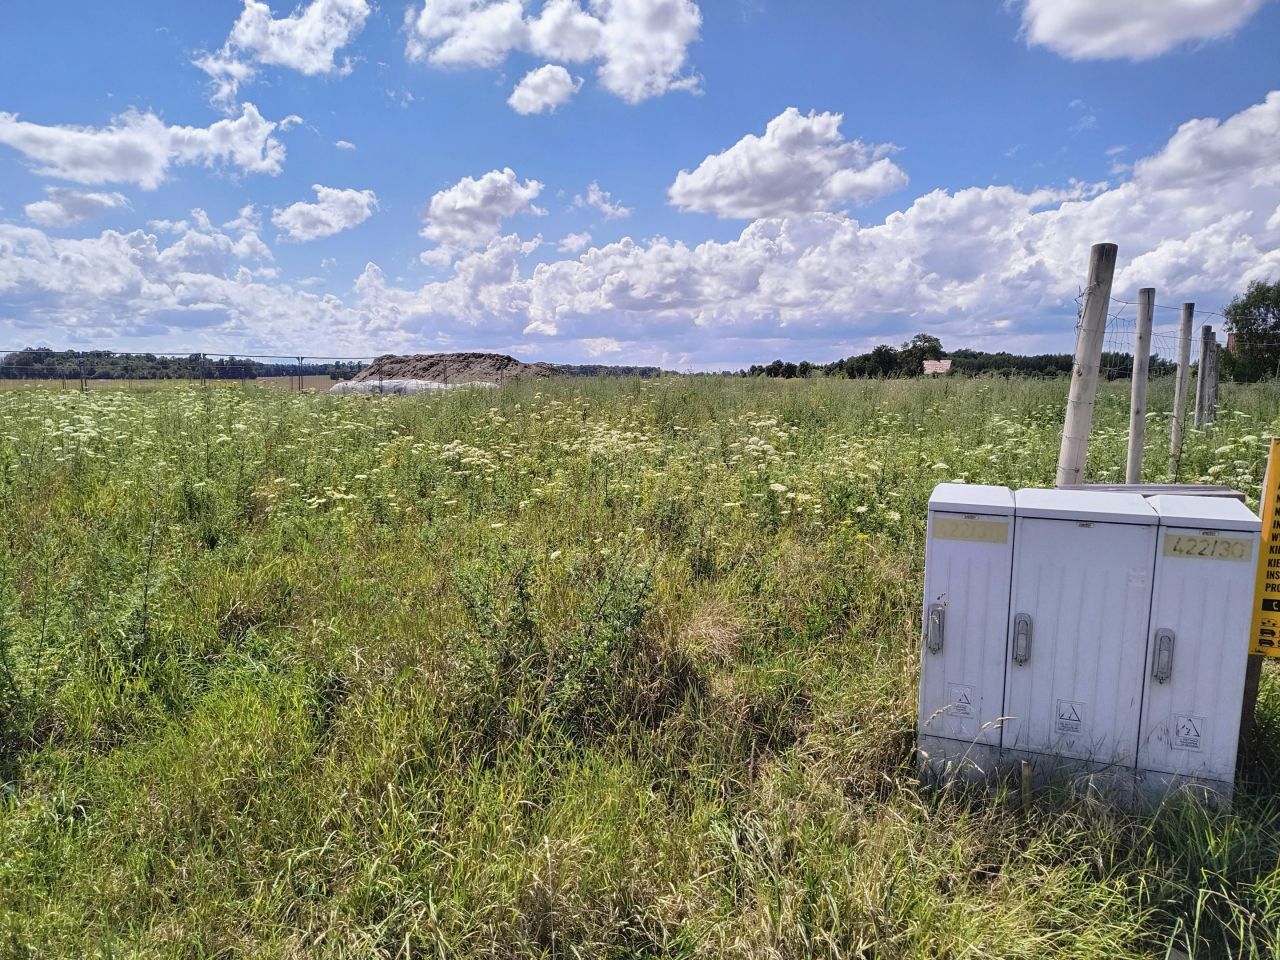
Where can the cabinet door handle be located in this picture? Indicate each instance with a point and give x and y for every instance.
(935, 626)
(1162, 669)
(1021, 638)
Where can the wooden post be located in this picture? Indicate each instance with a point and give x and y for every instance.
(1138, 388)
(1210, 363)
(1215, 365)
(1202, 374)
(1084, 376)
(1180, 388)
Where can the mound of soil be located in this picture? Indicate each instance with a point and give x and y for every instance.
(453, 368)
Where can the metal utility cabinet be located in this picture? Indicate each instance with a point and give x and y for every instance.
(1082, 569)
(1198, 642)
(969, 560)
(1086, 632)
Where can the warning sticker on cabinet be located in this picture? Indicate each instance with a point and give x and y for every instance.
(964, 702)
(1188, 731)
(1069, 717)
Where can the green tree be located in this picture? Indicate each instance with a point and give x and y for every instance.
(883, 361)
(918, 349)
(1254, 320)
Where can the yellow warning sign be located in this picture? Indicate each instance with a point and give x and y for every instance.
(1265, 637)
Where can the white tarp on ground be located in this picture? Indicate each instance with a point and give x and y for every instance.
(400, 386)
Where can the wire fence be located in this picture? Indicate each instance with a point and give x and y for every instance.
(1122, 332)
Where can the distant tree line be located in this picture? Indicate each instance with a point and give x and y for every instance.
(885, 361)
(1114, 366)
(41, 363)
(604, 370)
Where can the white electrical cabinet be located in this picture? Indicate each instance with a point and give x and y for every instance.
(969, 556)
(1086, 631)
(1198, 644)
(1078, 619)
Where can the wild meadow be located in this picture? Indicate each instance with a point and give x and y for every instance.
(604, 668)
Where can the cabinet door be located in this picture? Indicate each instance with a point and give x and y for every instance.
(968, 559)
(1078, 625)
(1196, 653)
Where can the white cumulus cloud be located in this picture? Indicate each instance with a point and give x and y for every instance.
(574, 242)
(802, 164)
(1134, 30)
(307, 41)
(246, 226)
(1197, 219)
(184, 276)
(470, 213)
(334, 211)
(543, 90)
(960, 263)
(139, 148)
(645, 43)
(64, 207)
(601, 200)
(564, 31)
(640, 46)
(599, 346)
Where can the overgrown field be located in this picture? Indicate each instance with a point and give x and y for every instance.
(594, 668)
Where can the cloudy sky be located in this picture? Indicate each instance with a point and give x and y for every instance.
(696, 183)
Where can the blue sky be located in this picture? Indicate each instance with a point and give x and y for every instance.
(800, 179)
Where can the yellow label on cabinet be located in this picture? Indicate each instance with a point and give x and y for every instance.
(962, 528)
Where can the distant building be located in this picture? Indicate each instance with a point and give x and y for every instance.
(935, 367)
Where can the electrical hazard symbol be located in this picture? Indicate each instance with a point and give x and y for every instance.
(964, 702)
(1187, 731)
(1069, 716)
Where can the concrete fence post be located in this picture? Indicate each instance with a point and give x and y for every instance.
(1138, 388)
(1180, 389)
(1084, 374)
(1215, 367)
(1202, 376)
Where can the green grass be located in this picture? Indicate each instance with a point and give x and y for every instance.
(574, 669)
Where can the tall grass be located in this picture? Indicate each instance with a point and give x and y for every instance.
(606, 668)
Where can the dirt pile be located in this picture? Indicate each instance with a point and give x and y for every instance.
(453, 368)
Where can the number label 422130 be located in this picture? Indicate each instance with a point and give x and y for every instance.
(1208, 546)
